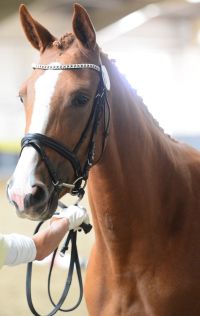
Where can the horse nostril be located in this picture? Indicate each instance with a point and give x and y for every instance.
(37, 197)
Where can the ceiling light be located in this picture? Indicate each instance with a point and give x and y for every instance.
(193, 1)
(128, 23)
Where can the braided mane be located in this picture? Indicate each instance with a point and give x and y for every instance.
(65, 41)
(143, 106)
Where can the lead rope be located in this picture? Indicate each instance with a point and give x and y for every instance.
(74, 262)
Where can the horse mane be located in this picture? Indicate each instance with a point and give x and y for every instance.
(165, 145)
(142, 105)
(154, 121)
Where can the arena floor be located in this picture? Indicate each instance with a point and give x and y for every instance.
(12, 284)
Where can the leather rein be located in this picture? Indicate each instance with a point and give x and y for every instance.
(39, 142)
(74, 263)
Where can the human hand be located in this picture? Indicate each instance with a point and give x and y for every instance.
(75, 214)
(47, 241)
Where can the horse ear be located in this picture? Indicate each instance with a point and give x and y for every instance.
(38, 36)
(83, 27)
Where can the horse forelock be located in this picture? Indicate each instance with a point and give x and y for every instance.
(65, 41)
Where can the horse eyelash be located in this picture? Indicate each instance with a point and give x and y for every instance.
(21, 98)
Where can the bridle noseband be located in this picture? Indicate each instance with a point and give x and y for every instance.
(39, 141)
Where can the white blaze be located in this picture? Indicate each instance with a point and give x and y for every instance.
(44, 91)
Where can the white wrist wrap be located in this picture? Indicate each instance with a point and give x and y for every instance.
(19, 249)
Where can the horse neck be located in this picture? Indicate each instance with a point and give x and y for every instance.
(127, 178)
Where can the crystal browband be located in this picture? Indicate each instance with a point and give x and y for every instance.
(66, 67)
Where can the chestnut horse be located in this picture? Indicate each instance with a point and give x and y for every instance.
(144, 187)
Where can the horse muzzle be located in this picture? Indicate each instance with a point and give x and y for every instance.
(33, 202)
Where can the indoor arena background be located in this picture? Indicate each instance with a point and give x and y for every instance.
(156, 45)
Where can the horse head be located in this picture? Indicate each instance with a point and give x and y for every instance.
(62, 100)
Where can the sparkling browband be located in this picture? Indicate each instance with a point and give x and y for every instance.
(65, 67)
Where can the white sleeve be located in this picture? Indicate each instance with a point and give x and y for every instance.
(19, 249)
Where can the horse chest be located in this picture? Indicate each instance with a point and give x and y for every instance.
(137, 291)
(141, 299)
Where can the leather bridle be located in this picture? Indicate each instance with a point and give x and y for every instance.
(40, 141)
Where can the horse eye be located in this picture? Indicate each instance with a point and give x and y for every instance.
(80, 100)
